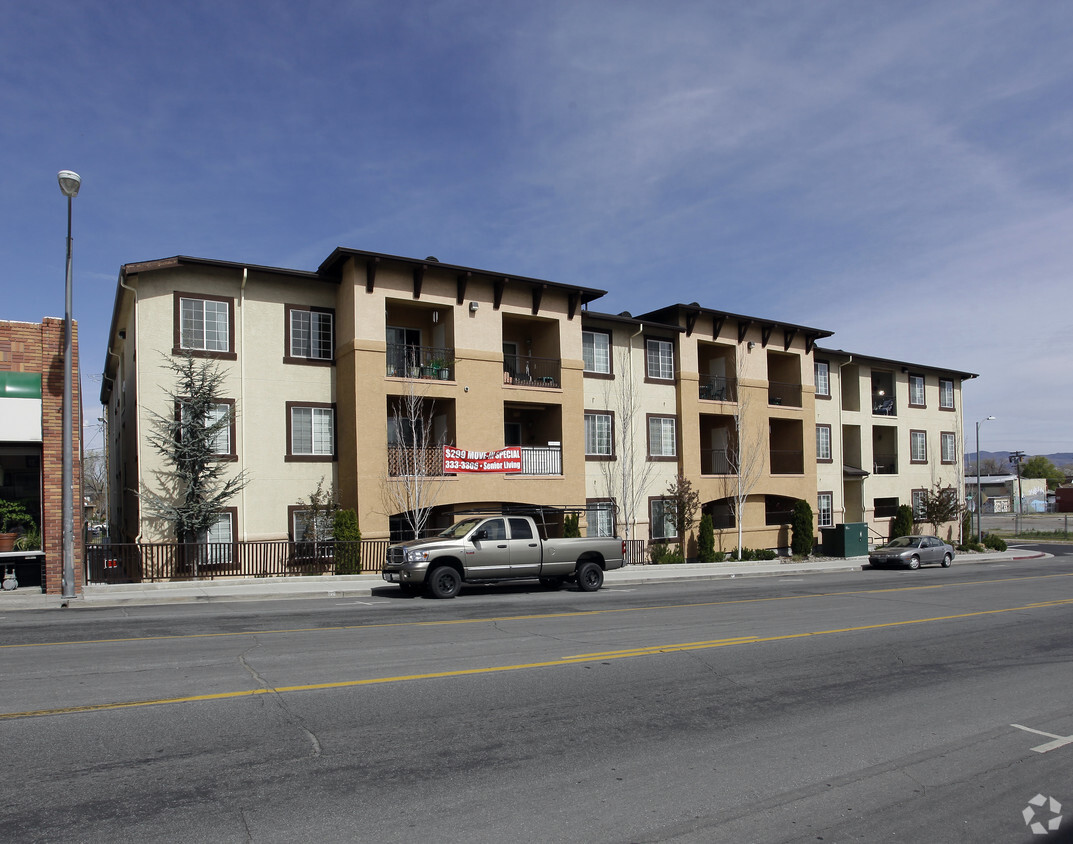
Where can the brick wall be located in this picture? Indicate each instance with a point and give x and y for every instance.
(38, 348)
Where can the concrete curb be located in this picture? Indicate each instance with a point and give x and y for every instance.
(362, 585)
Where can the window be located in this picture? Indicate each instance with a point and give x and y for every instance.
(659, 358)
(310, 334)
(217, 540)
(916, 391)
(203, 324)
(598, 439)
(219, 420)
(946, 394)
(823, 443)
(825, 509)
(948, 446)
(919, 496)
(596, 351)
(661, 519)
(918, 447)
(661, 437)
(310, 431)
(600, 518)
(823, 379)
(520, 529)
(885, 508)
(311, 525)
(778, 509)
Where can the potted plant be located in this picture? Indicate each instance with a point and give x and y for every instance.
(12, 514)
(441, 368)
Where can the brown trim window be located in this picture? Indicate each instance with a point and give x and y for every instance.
(599, 435)
(599, 517)
(918, 446)
(918, 497)
(948, 447)
(662, 437)
(204, 325)
(916, 391)
(659, 359)
(596, 353)
(946, 394)
(661, 525)
(309, 335)
(825, 504)
(310, 432)
(306, 525)
(823, 444)
(219, 539)
(223, 441)
(823, 379)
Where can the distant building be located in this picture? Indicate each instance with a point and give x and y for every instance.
(1000, 493)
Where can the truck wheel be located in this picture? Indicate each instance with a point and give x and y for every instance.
(590, 577)
(444, 582)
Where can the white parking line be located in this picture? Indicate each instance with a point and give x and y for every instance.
(1059, 741)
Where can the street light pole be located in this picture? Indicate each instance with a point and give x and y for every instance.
(979, 496)
(69, 185)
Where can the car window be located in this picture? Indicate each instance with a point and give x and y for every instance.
(494, 529)
(520, 529)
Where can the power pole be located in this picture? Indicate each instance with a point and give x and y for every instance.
(1015, 458)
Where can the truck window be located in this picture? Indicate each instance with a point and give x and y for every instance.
(494, 529)
(520, 529)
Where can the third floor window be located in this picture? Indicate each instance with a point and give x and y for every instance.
(596, 351)
(310, 333)
(659, 358)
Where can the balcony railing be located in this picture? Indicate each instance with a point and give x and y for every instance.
(884, 406)
(718, 388)
(885, 464)
(532, 372)
(542, 460)
(779, 393)
(716, 461)
(787, 462)
(428, 362)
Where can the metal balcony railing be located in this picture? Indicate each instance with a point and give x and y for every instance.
(716, 461)
(885, 464)
(523, 371)
(718, 388)
(780, 393)
(542, 460)
(884, 406)
(428, 362)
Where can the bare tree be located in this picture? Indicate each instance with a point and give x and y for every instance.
(626, 478)
(746, 457)
(415, 477)
(95, 483)
(682, 503)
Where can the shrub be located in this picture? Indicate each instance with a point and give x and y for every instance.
(801, 535)
(347, 542)
(661, 554)
(902, 524)
(706, 540)
(748, 554)
(996, 543)
(571, 528)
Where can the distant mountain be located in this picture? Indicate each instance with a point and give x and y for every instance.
(1060, 459)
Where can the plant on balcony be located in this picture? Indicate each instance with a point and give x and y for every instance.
(441, 368)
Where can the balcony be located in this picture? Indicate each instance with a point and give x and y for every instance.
(883, 405)
(716, 461)
(885, 464)
(782, 393)
(542, 460)
(412, 461)
(524, 371)
(426, 362)
(787, 462)
(718, 388)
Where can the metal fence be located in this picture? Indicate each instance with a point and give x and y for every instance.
(151, 562)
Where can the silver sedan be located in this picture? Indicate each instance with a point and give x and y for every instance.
(913, 551)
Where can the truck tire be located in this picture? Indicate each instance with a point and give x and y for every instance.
(444, 582)
(590, 577)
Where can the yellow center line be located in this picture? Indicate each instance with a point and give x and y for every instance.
(531, 617)
(651, 650)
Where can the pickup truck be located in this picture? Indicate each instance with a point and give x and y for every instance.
(499, 547)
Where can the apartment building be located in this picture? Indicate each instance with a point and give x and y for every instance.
(356, 375)
(887, 432)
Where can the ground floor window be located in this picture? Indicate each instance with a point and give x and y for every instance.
(825, 509)
(778, 510)
(661, 519)
(600, 517)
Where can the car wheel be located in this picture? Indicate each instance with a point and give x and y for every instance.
(947, 560)
(444, 582)
(914, 562)
(551, 582)
(590, 577)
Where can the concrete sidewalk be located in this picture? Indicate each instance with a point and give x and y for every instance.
(361, 585)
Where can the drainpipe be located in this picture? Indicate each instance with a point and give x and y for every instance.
(842, 446)
(137, 398)
(242, 391)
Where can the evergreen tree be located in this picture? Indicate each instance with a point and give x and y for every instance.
(801, 536)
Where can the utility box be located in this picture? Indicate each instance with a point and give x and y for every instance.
(846, 540)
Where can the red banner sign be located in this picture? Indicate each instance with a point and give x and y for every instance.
(459, 460)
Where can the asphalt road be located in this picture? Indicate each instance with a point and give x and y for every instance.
(864, 706)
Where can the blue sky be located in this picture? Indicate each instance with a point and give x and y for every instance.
(899, 172)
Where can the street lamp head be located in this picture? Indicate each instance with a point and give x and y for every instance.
(70, 181)
(989, 418)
